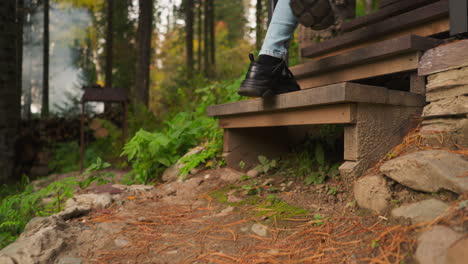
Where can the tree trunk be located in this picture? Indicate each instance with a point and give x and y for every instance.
(9, 95)
(212, 36)
(206, 42)
(189, 36)
(19, 44)
(369, 4)
(259, 25)
(200, 40)
(109, 43)
(45, 76)
(145, 30)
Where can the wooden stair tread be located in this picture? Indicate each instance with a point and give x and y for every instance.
(384, 13)
(376, 51)
(415, 17)
(335, 94)
(385, 3)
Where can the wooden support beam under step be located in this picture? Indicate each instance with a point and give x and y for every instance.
(327, 114)
(378, 51)
(425, 21)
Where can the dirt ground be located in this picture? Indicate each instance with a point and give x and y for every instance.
(215, 217)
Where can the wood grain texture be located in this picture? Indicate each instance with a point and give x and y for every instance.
(369, 53)
(384, 13)
(420, 16)
(328, 114)
(399, 63)
(450, 56)
(331, 94)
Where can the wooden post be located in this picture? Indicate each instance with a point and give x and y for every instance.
(125, 123)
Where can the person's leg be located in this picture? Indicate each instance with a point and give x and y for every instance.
(280, 31)
(270, 74)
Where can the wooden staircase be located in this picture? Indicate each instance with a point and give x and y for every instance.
(336, 89)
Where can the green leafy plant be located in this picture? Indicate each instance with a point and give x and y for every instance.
(331, 190)
(17, 209)
(265, 165)
(94, 174)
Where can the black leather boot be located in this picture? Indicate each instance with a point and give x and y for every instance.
(263, 80)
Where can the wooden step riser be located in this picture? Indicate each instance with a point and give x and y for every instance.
(318, 115)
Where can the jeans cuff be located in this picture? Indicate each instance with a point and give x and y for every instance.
(274, 53)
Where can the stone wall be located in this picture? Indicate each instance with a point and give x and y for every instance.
(445, 118)
(9, 95)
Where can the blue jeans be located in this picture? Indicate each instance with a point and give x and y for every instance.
(281, 29)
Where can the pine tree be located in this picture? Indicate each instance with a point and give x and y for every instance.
(145, 30)
(189, 17)
(45, 76)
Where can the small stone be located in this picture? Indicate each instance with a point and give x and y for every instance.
(121, 242)
(260, 230)
(253, 173)
(372, 192)
(230, 175)
(434, 243)
(421, 211)
(194, 171)
(141, 219)
(206, 177)
(429, 171)
(234, 199)
(171, 173)
(268, 181)
(458, 252)
(225, 211)
(69, 260)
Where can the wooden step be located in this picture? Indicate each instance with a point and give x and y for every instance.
(383, 13)
(331, 104)
(425, 21)
(375, 119)
(410, 44)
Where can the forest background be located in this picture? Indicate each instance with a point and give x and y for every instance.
(174, 58)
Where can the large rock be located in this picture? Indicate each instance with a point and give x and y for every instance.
(447, 107)
(89, 200)
(429, 171)
(421, 211)
(447, 79)
(446, 93)
(40, 243)
(458, 252)
(449, 133)
(434, 243)
(371, 192)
